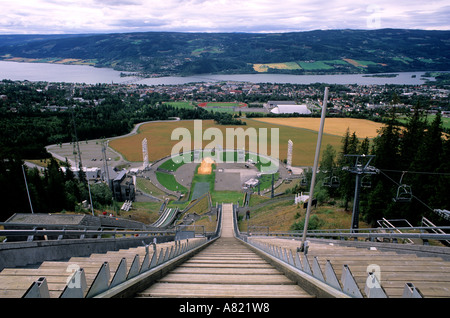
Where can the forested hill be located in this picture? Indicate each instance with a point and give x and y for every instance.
(165, 53)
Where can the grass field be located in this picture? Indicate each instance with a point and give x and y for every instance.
(221, 104)
(430, 118)
(180, 104)
(160, 143)
(318, 65)
(281, 216)
(169, 181)
(311, 66)
(333, 126)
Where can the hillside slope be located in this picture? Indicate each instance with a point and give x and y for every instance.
(167, 53)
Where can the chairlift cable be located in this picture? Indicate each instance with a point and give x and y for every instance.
(426, 205)
(418, 172)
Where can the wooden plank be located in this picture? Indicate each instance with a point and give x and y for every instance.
(227, 279)
(220, 290)
(226, 271)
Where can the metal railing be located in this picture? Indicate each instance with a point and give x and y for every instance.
(346, 284)
(30, 232)
(125, 278)
(396, 233)
(106, 286)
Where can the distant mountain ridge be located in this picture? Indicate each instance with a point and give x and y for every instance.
(309, 52)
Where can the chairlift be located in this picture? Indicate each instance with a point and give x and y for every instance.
(366, 181)
(304, 181)
(332, 182)
(404, 194)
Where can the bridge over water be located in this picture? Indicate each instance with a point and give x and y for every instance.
(228, 264)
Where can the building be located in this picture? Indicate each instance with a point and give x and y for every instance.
(273, 103)
(290, 109)
(123, 187)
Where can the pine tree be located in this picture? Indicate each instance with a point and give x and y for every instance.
(386, 149)
(328, 164)
(441, 199)
(56, 195)
(427, 161)
(412, 134)
(350, 146)
(346, 179)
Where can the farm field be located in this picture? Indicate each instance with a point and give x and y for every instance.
(279, 66)
(360, 63)
(430, 118)
(318, 65)
(160, 144)
(312, 65)
(333, 126)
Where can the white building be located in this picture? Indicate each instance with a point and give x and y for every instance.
(91, 173)
(290, 109)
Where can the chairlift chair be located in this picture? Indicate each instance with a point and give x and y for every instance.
(404, 194)
(366, 182)
(304, 182)
(332, 182)
(335, 182)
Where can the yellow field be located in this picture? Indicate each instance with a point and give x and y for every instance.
(333, 126)
(158, 135)
(280, 66)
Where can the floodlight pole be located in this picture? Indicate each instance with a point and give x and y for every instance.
(26, 186)
(316, 163)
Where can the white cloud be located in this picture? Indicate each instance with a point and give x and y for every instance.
(67, 16)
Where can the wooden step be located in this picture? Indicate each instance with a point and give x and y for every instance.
(224, 291)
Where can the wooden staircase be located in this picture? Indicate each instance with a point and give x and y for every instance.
(14, 282)
(431, 275)
(225, 269)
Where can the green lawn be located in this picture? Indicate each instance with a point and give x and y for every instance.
(168, 181)
(227, 197)
(318, 65)
(180, 104)
(430, 118)
(172, 165)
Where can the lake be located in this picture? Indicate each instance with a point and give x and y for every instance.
(48, 72)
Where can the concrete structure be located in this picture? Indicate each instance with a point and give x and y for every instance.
(289, 154)
(144, 154)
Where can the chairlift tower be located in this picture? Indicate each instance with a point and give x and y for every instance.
(360, 169)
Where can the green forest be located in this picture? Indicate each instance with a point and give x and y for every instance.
(413, 172)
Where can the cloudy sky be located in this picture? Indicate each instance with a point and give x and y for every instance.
(106, 16)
